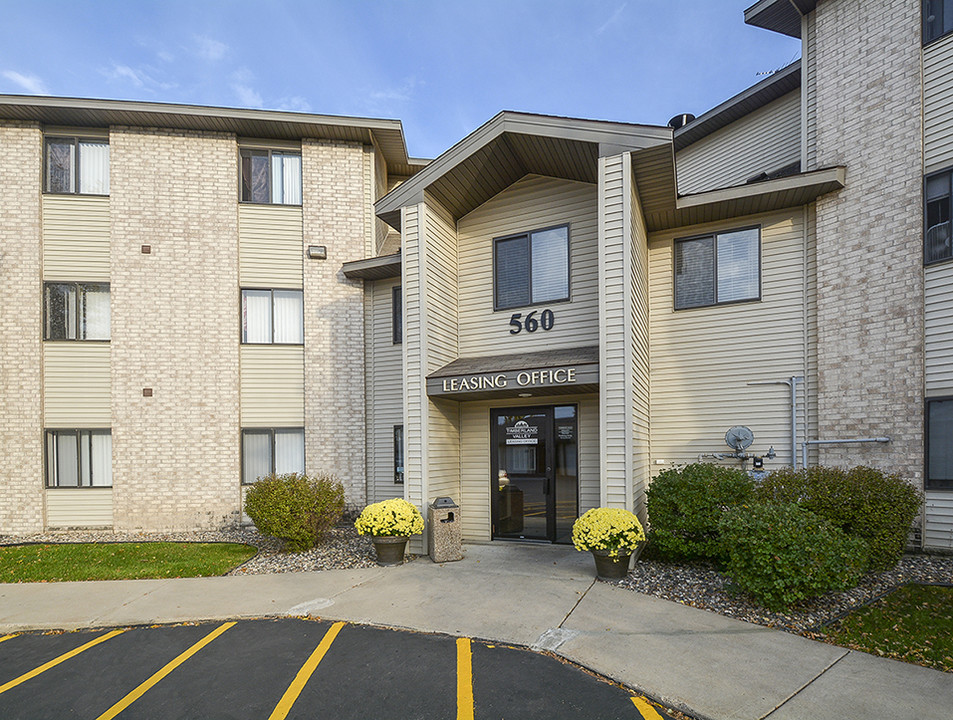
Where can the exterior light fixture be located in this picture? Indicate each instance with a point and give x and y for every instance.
(317, 252)
(526, 394)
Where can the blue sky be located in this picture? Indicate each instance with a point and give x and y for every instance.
(442, 67)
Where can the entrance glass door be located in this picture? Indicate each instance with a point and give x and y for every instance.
(534, 478)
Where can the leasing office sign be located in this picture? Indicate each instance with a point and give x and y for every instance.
(509, 380)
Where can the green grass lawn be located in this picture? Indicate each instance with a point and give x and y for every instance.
(914, 624)
(118, 561)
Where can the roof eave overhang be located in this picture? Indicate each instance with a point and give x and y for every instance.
(744, 103)
(605, 136)
(752, 199)
(376, 268)
(83, 112)
(780, 16)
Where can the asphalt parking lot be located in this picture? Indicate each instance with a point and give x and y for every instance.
(293, 668)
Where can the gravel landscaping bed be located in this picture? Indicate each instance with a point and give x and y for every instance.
(701, 586)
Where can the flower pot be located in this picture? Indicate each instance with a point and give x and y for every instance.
(611, 567)
(389, 549)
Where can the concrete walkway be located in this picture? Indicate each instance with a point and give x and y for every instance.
(544, 597)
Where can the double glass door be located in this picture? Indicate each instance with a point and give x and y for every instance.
(534, 483)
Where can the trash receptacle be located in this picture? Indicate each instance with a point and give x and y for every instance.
(443, 530)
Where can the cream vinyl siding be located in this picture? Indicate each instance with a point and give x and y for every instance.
(938, 328)
(532, 203)
(938, 105)
(639, 391)
(384, 390)
(76, 384)
(414, 371)
(79, 507)
(475, 462)
(807, 398)
(766, 140)
(703, 358)
(938, 532)
(270, 246)
(76, 238)
(443, 416)
(272, 385)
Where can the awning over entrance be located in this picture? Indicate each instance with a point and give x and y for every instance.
(549, 372)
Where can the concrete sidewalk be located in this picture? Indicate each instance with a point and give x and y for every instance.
(544, 597)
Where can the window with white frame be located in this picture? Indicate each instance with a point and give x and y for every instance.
(79, 458)
(531, 268)
(76, 165)
(76, 311)
(271, 176)
(937, 238)
(939, 444)
(719, 268)
(271, 450)
(272, 317)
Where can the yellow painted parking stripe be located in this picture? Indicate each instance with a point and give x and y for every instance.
(464, 679)
(7, 637)
(57, 660)
(166, 669)
(304, 674)
(645, 710)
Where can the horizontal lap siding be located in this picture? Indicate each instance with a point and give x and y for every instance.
(639, 319)
(413, 371)
(75, 238)
(385, 407)
(703, 358)
(270, 246)
(77, 385)
(938, 327)
(272, 386)
(532, 203)
(763, 141)
(475, 457)
(938, 532)
(80, 507)
(938, 105)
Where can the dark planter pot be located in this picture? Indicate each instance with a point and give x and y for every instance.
(390, 550)
(617, 567)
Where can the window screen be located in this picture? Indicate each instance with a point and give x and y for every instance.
(720, 268)
(77, 311)
(940, 443)
(271, 177)
(79, 166)
(532, 268)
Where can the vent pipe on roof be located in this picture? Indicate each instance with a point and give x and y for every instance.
(680, 120)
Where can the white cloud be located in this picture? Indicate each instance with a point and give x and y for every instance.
(210, 48)
(120, 72)
(295, 103)
(30, 83)
(612, 20)
(247, 96)
(138, 77)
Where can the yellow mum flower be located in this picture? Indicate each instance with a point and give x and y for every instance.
(612, 529)
(395, 517)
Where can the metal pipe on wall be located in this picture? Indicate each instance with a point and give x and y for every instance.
(845, 441)
(792, 383)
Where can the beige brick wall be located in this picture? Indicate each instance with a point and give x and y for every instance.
(869, 257)
(21, 406)
(336, 208)
(175, 329)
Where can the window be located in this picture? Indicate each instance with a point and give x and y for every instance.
(76, 311)
(397, 320)
(937, 19)
(271, 176)
(273, 317)
(937, 237)
(398, 454)
(531, 268)
(79, 458)
(271, 450)
(720, 268)
(77, 165)
(939, 444)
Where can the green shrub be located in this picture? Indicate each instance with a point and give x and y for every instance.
(782, 554)
(686, 504)
(298, 509)
(865, 503)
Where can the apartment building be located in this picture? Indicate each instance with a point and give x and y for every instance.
(533, 323)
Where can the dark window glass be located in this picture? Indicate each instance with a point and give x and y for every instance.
(940, 443)
(721, 268)
(937, 18)
(255, 176)
(399, 454)
(512, 272)
(77, 311)
(397, 319)
(59, 166)
(937, 236)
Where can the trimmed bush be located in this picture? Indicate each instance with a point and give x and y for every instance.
(298, 509)
(782, 554)
(864, 502)
(686, 504)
